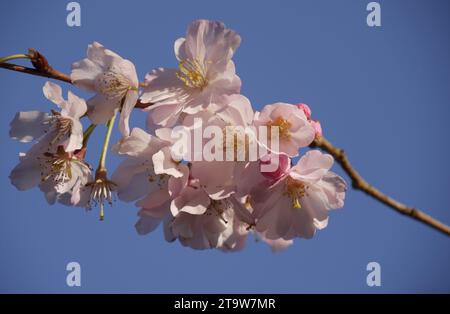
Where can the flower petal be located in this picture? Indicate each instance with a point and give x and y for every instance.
(101, 109)
(76, 106)
(53, 92)
(29, 125)
(164, 164)
(312, 166)
(128, 105)
(192, 201)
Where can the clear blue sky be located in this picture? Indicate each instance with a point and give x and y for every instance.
(381, 93)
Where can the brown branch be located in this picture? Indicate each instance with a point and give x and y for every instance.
(51, 74)
(359, 183)
(42, 68)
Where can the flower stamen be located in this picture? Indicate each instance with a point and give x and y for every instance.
(101, 191)
(295, 190)
(113, 84)
(283, 127)
(57, 166)
(192, 73)
(62, 126)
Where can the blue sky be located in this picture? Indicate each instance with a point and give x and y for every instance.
(381, 93)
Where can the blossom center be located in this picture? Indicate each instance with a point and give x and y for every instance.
(62, 126)
(283, 126)
(57, 166)
(112, 84)
(295, 190)
(192, 73)
(101, 191)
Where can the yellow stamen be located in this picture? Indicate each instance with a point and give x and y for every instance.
(192, 73)
(296, 203)
(283, 127)
(295, 190)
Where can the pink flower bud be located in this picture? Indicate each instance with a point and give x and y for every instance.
(317, 127)
(305, 109)
(274, 166)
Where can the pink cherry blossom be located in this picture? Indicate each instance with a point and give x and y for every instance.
(294, 129)
(297, 204)
(205, 73)
(148, 176)
(202, 168)
(113, 79)
(217, 227)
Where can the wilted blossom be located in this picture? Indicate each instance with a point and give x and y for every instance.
(213, 193)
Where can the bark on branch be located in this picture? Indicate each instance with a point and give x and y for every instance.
(43, 68)
(359, 183)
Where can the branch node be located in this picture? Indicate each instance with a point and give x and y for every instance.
(39, 62)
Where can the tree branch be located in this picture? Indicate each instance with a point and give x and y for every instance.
(42, 68)
(50, 73)
(358, 183)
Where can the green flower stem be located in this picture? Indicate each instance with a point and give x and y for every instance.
(12, 57)
(87, 134)
(102, 162)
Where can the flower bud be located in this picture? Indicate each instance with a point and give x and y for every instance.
(305, 109)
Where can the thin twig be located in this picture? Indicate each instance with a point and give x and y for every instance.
(42, 68)
(50, 74)
(359, 183)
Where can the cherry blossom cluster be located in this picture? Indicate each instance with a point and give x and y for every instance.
(211, 202)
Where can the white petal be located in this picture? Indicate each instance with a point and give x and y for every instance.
(84, 74)
(139, 143)
(163, 85)
(192, 201)
(29, 125)
(53, 92)
(75, 140)
(312, 166)
(101, 109)
(76, 106)
(164, 163)
(210, 40)
(179, 48)
(27, 174)
(132, 179)
(127, 108)
(97, 53)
